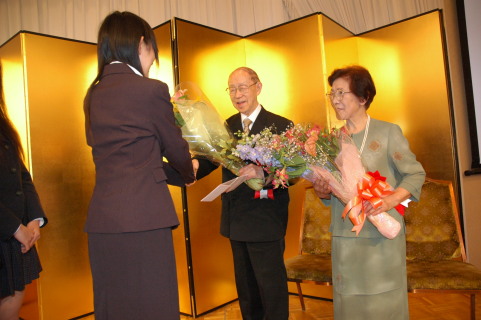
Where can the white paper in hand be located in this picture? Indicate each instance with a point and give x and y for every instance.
(224, 187)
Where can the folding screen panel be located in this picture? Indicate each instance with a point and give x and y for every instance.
(206, 56)
(408, 66)
(289, 60)
(15, 98)
(165, 72)
(56, 73)
(340, 49)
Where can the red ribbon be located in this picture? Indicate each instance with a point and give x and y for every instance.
(400, 208)
(264, 194)
(372, 187)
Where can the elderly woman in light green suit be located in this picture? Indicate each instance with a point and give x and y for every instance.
(369, 270)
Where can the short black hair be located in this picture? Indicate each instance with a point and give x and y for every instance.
(360, 82)
(118, 39)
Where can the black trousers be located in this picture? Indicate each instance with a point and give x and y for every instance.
(261, 279)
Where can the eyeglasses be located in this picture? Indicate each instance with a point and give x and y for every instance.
(242, 89)
(337, 94)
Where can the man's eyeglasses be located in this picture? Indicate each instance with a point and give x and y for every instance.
(242, 89)
(338, 94)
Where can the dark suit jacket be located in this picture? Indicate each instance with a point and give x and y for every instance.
(131, 129)
(19, 202)
(243, 217)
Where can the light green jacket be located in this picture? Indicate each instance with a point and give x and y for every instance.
(387, 151)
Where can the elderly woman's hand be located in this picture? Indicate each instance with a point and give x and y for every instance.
(388, 202)
(322, 188)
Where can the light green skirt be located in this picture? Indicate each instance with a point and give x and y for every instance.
(369, 278)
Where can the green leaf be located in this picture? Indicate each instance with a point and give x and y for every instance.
(179, 121)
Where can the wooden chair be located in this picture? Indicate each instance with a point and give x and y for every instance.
(436, 259)
(313, 262)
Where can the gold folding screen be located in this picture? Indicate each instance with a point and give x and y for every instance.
(408, 66)
(50, 120)
(203, 56)
(46, 78)
(165, 72)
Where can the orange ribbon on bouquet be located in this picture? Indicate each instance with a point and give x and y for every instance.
(372, 187)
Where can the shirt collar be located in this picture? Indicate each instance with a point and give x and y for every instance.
(253, 115)
(133, 69)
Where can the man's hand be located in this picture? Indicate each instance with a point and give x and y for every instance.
(252, 171)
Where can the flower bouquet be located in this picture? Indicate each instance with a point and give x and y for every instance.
(205, 131)
(307, 151)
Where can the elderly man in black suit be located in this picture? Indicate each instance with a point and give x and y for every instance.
(255, 226)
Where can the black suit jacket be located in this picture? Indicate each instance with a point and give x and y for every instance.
(19, 202)
(245, 218)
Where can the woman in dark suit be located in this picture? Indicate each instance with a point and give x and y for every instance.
(130, 127)
(21, 217)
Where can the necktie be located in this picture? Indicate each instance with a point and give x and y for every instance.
(247, 123)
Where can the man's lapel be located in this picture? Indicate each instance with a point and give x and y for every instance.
(236, 123)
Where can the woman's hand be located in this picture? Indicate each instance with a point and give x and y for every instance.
(195, 166)
(179, 94)
(252, 171)
(388, 202)
(322, 188)
(25, 236)
(34, 226)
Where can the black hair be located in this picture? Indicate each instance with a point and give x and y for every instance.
(360, 82)
(118, 40)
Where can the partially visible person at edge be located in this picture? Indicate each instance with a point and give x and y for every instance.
(255, 226)
(21, 217)
(130, 127)
(369, 271)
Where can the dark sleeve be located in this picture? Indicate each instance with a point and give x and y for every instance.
(9, 222)
(33, 205)
(174, 148)
(205, 167)
(173, 176)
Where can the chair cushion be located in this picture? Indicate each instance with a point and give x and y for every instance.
(443, 275)
(312, 267)
(431, 230)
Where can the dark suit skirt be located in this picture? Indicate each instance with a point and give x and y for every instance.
(134, 275)
(17, 269)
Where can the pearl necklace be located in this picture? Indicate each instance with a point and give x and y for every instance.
(365, 135)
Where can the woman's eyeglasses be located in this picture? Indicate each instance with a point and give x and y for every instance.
(337, 94)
